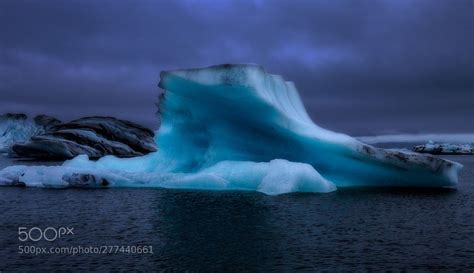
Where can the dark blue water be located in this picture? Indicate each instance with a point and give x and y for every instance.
(356, 230)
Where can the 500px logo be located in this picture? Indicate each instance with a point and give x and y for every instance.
(49, 234)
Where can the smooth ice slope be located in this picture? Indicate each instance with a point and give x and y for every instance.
(238, 127)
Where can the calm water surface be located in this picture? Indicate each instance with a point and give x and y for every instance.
(364, 229)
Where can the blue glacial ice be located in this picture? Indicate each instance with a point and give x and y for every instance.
(236, 127)
(16, 128)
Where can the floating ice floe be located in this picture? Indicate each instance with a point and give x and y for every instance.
(445, 148)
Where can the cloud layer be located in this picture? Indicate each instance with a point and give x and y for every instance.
(361, 66)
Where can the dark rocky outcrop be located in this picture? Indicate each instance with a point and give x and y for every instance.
(47, 122)
(93, 136)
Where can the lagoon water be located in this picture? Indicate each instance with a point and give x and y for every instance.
(358, 229)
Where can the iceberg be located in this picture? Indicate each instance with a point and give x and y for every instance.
(16, 128)
(237, 127)
(445, 148)
(456, 138)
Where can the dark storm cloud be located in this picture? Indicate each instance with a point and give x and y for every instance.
(349, 59)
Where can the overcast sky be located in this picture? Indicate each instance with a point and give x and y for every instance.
(361, 66)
